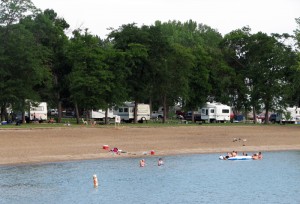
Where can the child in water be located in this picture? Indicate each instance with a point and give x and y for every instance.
(142, 163)
(160, 162)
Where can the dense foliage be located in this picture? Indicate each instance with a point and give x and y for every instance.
(162, 64)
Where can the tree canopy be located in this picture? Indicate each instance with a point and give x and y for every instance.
(163, 64)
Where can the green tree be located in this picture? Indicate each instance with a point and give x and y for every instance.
(269, 61)
(11, 11)
(295, 79)
(14, 40)
(22, 68)
(262, 67)
(133, 41)
(116, 91)
(49, 32)
(90, 76)
(234, 49)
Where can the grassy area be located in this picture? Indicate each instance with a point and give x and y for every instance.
(151, 123)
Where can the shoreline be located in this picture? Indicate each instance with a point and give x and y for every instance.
(69, 158)
(36, 146)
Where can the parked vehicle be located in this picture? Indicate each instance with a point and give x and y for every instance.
(53, 112)
(126, 112)
(36, 112)
(188, 116)
(272, 117)
(156, 114)
(100, 114)
(288, 115)
(215, 112)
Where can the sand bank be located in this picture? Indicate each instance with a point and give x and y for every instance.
(20, 146)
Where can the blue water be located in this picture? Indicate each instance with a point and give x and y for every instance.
(183, 179)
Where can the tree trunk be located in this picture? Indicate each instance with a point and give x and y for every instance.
(59, 110)
(135, 111)
(165, 108)
(254, 115)
(77, 113)
(2, 112)
(106, 119)
(267, 114)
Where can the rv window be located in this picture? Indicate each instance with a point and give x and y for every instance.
(203, 111)
(126, 110)
(39, 108)
(225, 110)
(212, 110)
(120, 110)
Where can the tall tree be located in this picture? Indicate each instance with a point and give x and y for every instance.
(234, 49)
(295, 79)
(269, 61)
(90, 76)
(133, 41)
(11, 11)
(116, 91)
(49, 32)
(14, 40)
(262, 64)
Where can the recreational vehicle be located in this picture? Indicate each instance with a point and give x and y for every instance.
(126, 112)
(36, 112)
(289, 115)
(215, 112)
(100, 114)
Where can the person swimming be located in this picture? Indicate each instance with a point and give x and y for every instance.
(142, 163)
(160, 162)
(260, 156)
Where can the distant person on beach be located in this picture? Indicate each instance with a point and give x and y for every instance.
(142, 163)
(160, 162)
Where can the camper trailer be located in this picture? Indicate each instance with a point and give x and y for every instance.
(100, 114)
(126, 112)
(289, 115)
(215, 112)
(37, 112)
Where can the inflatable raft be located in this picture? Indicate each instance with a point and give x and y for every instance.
(237, 158)
(240, 158)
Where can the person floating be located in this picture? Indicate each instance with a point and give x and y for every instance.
(142, 163)
(160, 162)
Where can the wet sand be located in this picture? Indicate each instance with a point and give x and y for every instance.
(22, 146)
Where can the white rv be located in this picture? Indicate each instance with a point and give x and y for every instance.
(126, 112)
(289, 115)
(100, 114)
(38, 112)
(215, 112)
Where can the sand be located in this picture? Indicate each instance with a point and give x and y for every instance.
(36, 145)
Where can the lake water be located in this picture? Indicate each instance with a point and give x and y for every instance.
(183, 179)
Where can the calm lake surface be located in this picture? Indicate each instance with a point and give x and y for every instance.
(183, 179)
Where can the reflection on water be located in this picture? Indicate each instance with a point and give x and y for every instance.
(183, 179)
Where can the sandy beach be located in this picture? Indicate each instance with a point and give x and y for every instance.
(22, 146)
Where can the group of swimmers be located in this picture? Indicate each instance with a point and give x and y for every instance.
(255, 156)
(159, 163)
